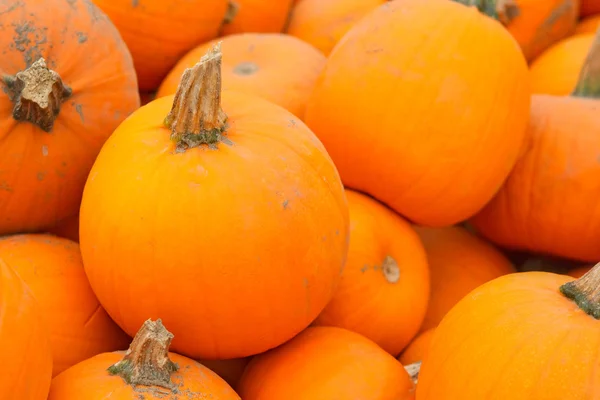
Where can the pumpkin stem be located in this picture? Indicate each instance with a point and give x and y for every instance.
(413, 371)
(196, 117)
(391, 271)
(37, 94)
(147, 360)
(589, 77)
(585, 292)
(503, 10)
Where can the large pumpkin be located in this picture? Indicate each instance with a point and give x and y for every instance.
(590, 7)
(79, 327)
(256, 16)
(146, 371)
(458, 263)
(276, 67)
(230, 224)
(326, 363)
(518, 337)
(413, 125)
(68, 82)
(26, 357)
(160, 32)
(548, 204)
(385, 284)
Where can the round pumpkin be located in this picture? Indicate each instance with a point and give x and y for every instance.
(518, 337)
(256, 16)
(385, 284)
(458, 263)
(234, 218)
(589, 7)
(78, 325)
(67, 228)
(588, 25)
(326, 363)
(68, 82)
(324, 23)
(159, 32)
(26, 357)
(146, 371)
(556, 71)
(548, 203)
(276, 67)
(230, 370)
(418, 348)
(474, 122)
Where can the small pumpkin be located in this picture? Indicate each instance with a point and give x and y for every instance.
(26, 357)
(548, 203)
(326, 363)
(385, 284)
(256, 16)
(474, 122)
(458, 263)
(79, 327)
(159, 32)
(590, 7)
(588, 25)
(67, 228)
(276, 67)
(417, 349)
(324, 23)
(147, 370)
(531, 335)
(253, 220)
(230, 370)
(67, 82)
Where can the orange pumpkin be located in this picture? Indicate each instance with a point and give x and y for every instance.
(67, 228)
(557, 70)
(324, 23)
(548, 204)
(588, 25)
(418, 348)
(276, 67)
(458, 263)
(146, 371)
(579, 271)
(26, 357)
(518, 337)
(326, 363)
(160, 32)
(474, 122)
(230, 370)
(589, 7)
(256, 16)
(385, 284)
(78, 325)
(535, 24)
(68, 81)
(255, 220)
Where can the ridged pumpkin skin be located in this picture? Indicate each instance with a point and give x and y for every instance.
(588, 25)
(418, 348)
(26, 358)
(385, 284)
(257, 16)
(474, 121)
(78, 326)
(590, 7)
(326, 363)
(277, 67)
(246, 232)
(42, 174)
(324, 23)
(458, 263)
(158, 33)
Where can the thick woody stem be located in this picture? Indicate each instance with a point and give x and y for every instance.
(589, 77)
(503, 10)
(585, 292)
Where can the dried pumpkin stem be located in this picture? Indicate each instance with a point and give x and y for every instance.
(391, 270)
(585, 292)
(503, 10)
(37, 94)
(196, 117)
(413, 371)
(147, 362)
(589, 77)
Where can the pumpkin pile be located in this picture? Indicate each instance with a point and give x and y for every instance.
(300, 199)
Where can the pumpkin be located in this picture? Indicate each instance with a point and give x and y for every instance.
(79, 327)
(256, 16)
(147, 97)
(520, 337)
(535, 24)
(548, 203)
(231, 217)
(147, 370)
(557, 70)
(418, 348)
(579, 271)
(230, 370)
(159, 32)
(67, 81)
(588, 25)
(458, 263)
(26, 357)
(474, 122)
(324, 23)
(589, 7)
(326, 363)
(67, 228)
(385, 284)
(276, 67)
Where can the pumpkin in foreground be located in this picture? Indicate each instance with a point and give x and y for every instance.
(230, 223)
(146, 371)
(388, 98)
